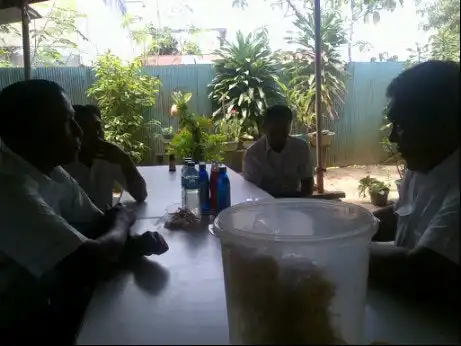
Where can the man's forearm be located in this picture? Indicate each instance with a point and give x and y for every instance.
(135, 183)
(387, 224)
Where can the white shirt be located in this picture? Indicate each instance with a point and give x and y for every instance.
(36, 213)
(97, 181)
(278, 173)
(428, 209)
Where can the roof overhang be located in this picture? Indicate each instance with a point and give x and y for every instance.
(13, 15)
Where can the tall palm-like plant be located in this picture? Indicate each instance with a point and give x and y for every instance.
(246, 80)
(300, 66)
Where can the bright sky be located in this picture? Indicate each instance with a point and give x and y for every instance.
(394, 34)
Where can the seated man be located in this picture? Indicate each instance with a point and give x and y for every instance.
(278, 163)
(46, 264)
(100, 164)
(423, 257)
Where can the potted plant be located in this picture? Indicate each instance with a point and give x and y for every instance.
(246, 80)
(378, 190)
(230, 128)
(194, 138)
(167, 134)
(327, 138)
(247, 140)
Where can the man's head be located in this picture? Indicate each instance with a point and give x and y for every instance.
(424, 112)
(37, 122)
(89, 119)
(277, 122)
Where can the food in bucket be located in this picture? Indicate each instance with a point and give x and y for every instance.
(271, 304)
(180, 219)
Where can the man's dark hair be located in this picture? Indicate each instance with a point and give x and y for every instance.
(26, 103)
(85, 112)
(278, 113)
(94, 109)
(429, 89)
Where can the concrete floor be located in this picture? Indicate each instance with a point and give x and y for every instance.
(346, 179)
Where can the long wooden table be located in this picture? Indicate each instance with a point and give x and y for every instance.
(178, 298)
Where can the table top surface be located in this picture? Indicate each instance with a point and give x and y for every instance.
(164, 189)
(179, 298)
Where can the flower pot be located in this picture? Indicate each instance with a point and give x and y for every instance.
(165, 140)
(230, 146)
(379, 198)
(327, 138)
(247, 144)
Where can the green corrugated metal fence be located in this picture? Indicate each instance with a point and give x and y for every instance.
(357, 129)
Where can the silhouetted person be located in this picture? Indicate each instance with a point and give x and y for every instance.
(54, 242)
(423, 257)
(100, 164)
(278, 163)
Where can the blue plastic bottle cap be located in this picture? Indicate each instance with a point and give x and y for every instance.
(222, 169)
(202, 165)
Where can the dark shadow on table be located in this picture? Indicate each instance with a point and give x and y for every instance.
(150, 275)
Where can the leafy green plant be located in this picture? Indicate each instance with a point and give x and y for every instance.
(229, 128)
(390, 148)
(167, 132)
(300, 67)
(194, 138)
(124, 94)
(162, 41)
(371, 185)
(246, 80)
(190, 48)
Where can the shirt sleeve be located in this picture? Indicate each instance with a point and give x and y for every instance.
(80, 210)
(307, 168)
(442, 234)
(31, 233)
(119, 177)
(250, 168)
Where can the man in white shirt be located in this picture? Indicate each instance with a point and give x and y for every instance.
(53, 241)
(278, 163)
(100, 164)
(423, 259)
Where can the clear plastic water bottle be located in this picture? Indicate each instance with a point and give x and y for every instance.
(204, 189)
(223, 192)
(183, 171)
(192, 189)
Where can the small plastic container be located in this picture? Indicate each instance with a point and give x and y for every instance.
(295, 270)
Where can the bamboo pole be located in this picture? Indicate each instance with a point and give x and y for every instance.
(25, 39)
(318, 99)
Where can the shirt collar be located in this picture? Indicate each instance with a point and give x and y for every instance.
(269, 149)
(447, 169)
(16, 164)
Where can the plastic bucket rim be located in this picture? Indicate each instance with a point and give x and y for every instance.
(241, 234)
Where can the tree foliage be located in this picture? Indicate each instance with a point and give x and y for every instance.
(163, 41)
(300, 67)
(246, 80)
(124, 94)
(442, 20)
(50, 37)
(359, 10)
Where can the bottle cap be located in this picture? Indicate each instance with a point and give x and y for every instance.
(202, 165)
(190, 164)
(222, 169)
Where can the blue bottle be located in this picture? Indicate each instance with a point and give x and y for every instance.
(191, 189)
(204, 189)
(183, 181)
(223, 192)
